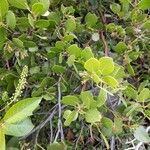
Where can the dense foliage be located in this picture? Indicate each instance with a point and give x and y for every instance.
(74, 74)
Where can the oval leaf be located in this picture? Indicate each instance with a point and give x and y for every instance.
(106, 65)
(92, 65)
(21, 110)
(21, 4)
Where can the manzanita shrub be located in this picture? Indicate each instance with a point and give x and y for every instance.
(74, 74)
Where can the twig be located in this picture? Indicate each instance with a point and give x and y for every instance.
(76, 145)
(60, 128)
(112, 145)
(101, 34)
(51, 131)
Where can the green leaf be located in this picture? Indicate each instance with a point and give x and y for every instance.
(46, 4)
(86, 98)
(130, 92)
(111, 81)
(92, 65)
(3, 8)
(71, 117)
(58, 69)
(21, 4)
(70, 100)
(143, 85)
(21, 110)
(102, 97)
(31, 20)
(92, 116)
(74, 50)
(118, 72)
(18, 42)
(2, 36)
(11, 19)
(115, 8)
(96, 78)
(34, 70)
(71, 60)
(141, 135)
(144, 95)
(144, 4)
(69, 37)
(106, 65)
(2, 139)
(37, 9)
(66, 113)
(60, 45)
(42, 23)
(56, 146)
(87, 53)
(120, 47)
(91, 19)
(130, 70)
(107, 122)
(70, 25)
(20, 128)
(118, 124)
(67, 10)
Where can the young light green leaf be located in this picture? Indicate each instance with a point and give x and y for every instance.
(71, 60)
(141, 135)
(66, 113)
(70, 25)
(102, 97)
(144, 95)
(74, 50)
(37, 9)
(46, 4)
(69, 37)
(91, 19)
(118, 126)
(143, 85)
(111, 81)
(86, 98)
(3, 8)
(115, 8)
(144, 4)
(11, 19)
(21, 4)
(70, 100)
(93, 116)
(2, 139)
(71, 117)
(130, 70)
(20, 128)
(31, 20)
(92, 65)
(106, 65)
(56, 146)
(21, 110)
(107, 122)
(130, 92)
(87, 53)
(96, 78)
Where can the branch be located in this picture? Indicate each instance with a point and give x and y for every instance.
(60, 128)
